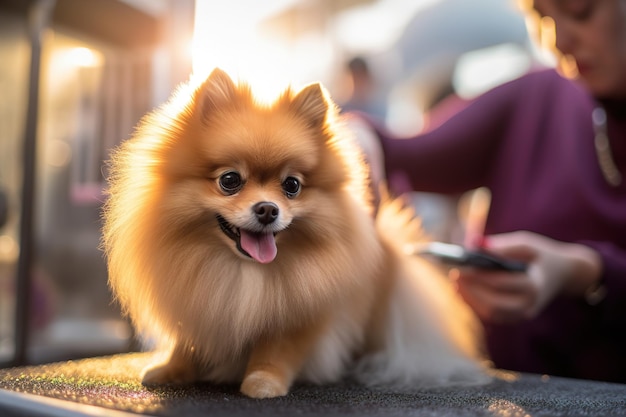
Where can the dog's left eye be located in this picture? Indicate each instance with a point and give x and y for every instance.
(231, 182)
(292, 187)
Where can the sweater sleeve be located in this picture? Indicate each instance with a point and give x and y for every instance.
(613, 273)
(458, 155)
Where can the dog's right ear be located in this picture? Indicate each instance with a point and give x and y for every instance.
(217, 91)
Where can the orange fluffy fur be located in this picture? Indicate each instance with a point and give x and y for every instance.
(337, 295)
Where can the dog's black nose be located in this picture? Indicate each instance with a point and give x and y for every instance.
(265, 211)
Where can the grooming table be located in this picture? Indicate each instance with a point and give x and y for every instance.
(109, 386)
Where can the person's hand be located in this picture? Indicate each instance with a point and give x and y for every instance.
(554, 267)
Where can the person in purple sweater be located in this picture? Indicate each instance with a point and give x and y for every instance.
(552, 151)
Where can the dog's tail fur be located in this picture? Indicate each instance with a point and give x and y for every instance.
(431, 337)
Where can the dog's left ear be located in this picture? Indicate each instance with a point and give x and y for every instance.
(311, 103)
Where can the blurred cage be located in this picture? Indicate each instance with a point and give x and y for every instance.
(90, 83)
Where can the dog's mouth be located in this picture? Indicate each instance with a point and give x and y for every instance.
(260, 246)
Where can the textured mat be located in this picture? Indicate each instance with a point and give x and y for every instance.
(112, 383)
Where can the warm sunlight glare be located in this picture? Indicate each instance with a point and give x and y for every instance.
(228, 35)
(505, 408)
(84, 57)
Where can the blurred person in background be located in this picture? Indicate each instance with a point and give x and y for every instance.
(552, 151)
(364, 92)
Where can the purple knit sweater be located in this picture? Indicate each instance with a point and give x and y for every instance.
(530, 142)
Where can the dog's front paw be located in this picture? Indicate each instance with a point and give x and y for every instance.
(264, 384)
(168, 373)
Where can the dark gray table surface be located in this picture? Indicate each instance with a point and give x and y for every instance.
(110, 386)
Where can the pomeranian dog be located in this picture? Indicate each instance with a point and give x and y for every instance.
(240, 237)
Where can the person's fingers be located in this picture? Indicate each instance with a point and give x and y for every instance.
(499, 297)
(520, 245)
(494, 306)
(496, 280)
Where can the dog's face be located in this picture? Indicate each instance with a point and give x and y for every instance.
(255, 201)
(254, 172)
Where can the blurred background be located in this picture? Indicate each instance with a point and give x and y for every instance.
(77, 75)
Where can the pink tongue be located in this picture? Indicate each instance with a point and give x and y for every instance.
(261, 246)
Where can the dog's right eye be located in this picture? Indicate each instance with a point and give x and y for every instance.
(230, 182)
